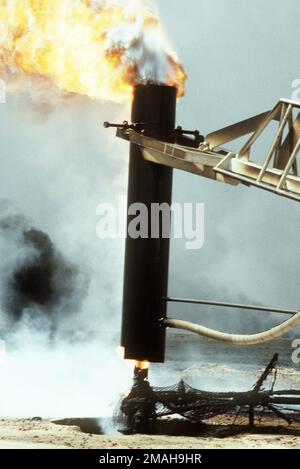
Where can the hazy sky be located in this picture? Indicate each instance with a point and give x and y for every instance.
(241, 57)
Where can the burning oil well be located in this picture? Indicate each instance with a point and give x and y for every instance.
(147, 258)
(144, 319)
(109, 52)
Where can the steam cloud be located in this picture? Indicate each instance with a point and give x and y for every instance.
(60, 286)
(143, 51)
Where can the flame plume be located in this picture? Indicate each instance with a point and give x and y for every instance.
(96, 48)
(141, 365)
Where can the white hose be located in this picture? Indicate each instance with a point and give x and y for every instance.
(236, 339)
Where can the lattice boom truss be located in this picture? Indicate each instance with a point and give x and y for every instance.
(278, 171)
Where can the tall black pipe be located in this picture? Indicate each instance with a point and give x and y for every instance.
(147, 259)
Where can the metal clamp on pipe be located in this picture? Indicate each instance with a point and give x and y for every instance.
(137, 127)
(183, 137)
(180, 136)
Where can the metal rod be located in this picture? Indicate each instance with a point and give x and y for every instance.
(229, 305)
(289, 165)
(287, 392)
(278, 136)
(258, 132)
(285, 400)
(180, 130)
(264, 186)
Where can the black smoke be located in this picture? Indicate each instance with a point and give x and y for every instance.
(40, 283)
(33, 283)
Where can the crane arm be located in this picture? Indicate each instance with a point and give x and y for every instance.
(277, 171)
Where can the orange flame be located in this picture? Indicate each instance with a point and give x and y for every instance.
(95, 48)
(142, 365)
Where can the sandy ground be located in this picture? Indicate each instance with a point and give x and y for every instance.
(27, 434)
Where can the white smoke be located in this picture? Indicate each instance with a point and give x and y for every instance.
(53, 176)
(82, 380)
(145, 47)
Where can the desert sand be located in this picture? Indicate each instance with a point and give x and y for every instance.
(29, 434)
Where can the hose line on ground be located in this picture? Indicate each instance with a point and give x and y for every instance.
(236, 339)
